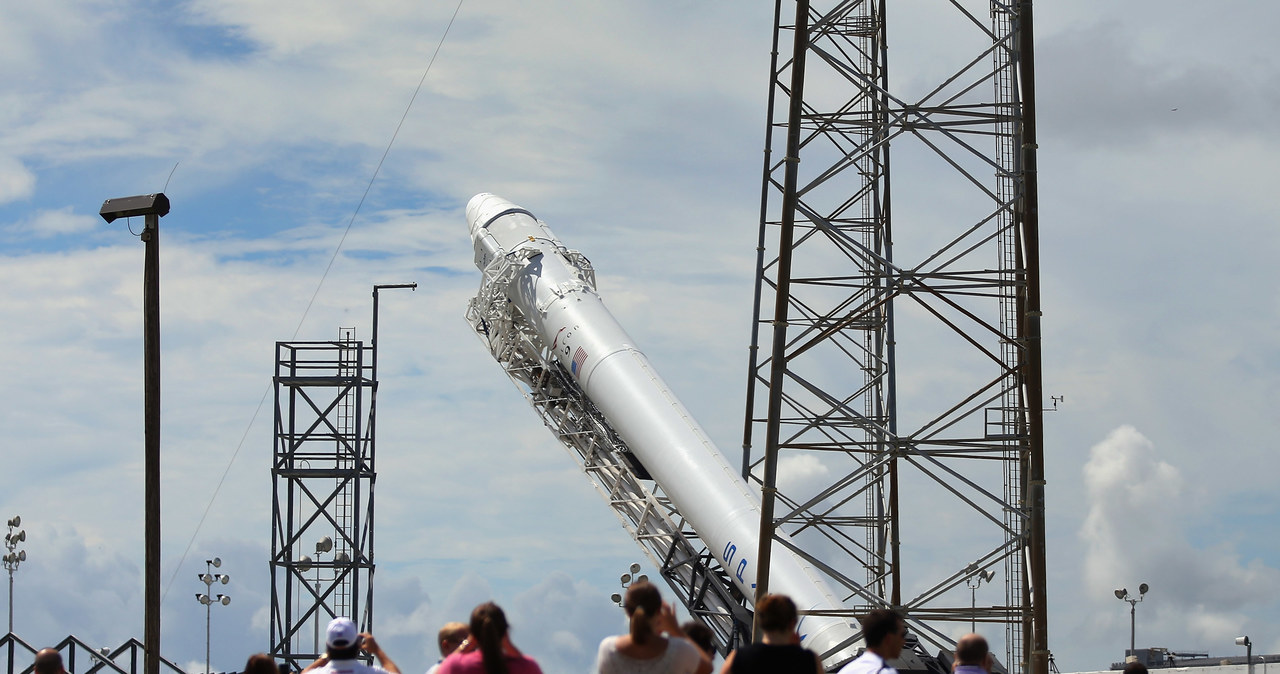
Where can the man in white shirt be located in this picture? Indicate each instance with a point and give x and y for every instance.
(342, 651)
(885, 634)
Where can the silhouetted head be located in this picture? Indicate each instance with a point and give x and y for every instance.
(885, 633)
(777, 613)
(451, 636)
(489, 630)
(972, 649)
(49, 661)
(261, 663)
(643, 603)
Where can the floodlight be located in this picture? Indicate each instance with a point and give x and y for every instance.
(216, 562)
(304, 563)
(15, 521)
(324, 544)
(225, 578)
(642, 578)
(1243, 641)
(342, 558)
(22, 555)
(1122, 593)
(615, 598)
(1142, 589)
(143, 204)
(626, 578)
(225, 599)
(635, 568)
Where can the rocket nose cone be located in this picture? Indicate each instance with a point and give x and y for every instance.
(484, 207)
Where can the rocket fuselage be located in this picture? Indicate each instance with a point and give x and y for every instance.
(586, 340)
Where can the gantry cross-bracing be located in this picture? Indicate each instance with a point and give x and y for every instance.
(894, 396)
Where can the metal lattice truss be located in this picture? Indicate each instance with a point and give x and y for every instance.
(907, 384)
(661, 531)
(323, 474)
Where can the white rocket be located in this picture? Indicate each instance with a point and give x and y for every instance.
(556, 297)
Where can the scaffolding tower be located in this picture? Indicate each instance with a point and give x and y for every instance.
(323, 474)
(894, 410)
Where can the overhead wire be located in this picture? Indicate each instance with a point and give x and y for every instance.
(350, 223)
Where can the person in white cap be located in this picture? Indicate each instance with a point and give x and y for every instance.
(343, 644)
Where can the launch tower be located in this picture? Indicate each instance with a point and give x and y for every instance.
(894, 401)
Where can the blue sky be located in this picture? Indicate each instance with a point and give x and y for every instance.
(1158, 144)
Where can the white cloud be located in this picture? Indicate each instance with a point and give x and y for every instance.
(16, 180)
(1136, 530)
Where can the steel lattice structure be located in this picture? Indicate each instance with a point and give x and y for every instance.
(323, 475)
(898, 412)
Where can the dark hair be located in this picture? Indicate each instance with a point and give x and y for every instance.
(349, 653)
(261, 663)
(879, 624)
(488, 628)
(48, 661)
(972, 650)
(700, 635)
(1135, 667)
(776, 613)
(642, 604)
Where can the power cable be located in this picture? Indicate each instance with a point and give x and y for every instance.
(314, 295)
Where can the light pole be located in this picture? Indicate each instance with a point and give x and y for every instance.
(208, 600)
(1248, 645)
(1123, 595)
(627, 579)
(14, 557)
(976, 577)
(151, 207)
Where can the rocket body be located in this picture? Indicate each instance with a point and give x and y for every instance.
(554, 294)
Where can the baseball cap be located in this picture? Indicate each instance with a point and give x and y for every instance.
(341, 633)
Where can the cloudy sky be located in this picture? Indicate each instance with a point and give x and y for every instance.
(635, 130)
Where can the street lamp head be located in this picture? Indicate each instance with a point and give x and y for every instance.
(143, 204)
(1122, 593)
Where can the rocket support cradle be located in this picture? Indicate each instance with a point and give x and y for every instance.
(552, 289)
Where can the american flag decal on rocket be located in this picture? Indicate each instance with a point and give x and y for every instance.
(579, 357)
